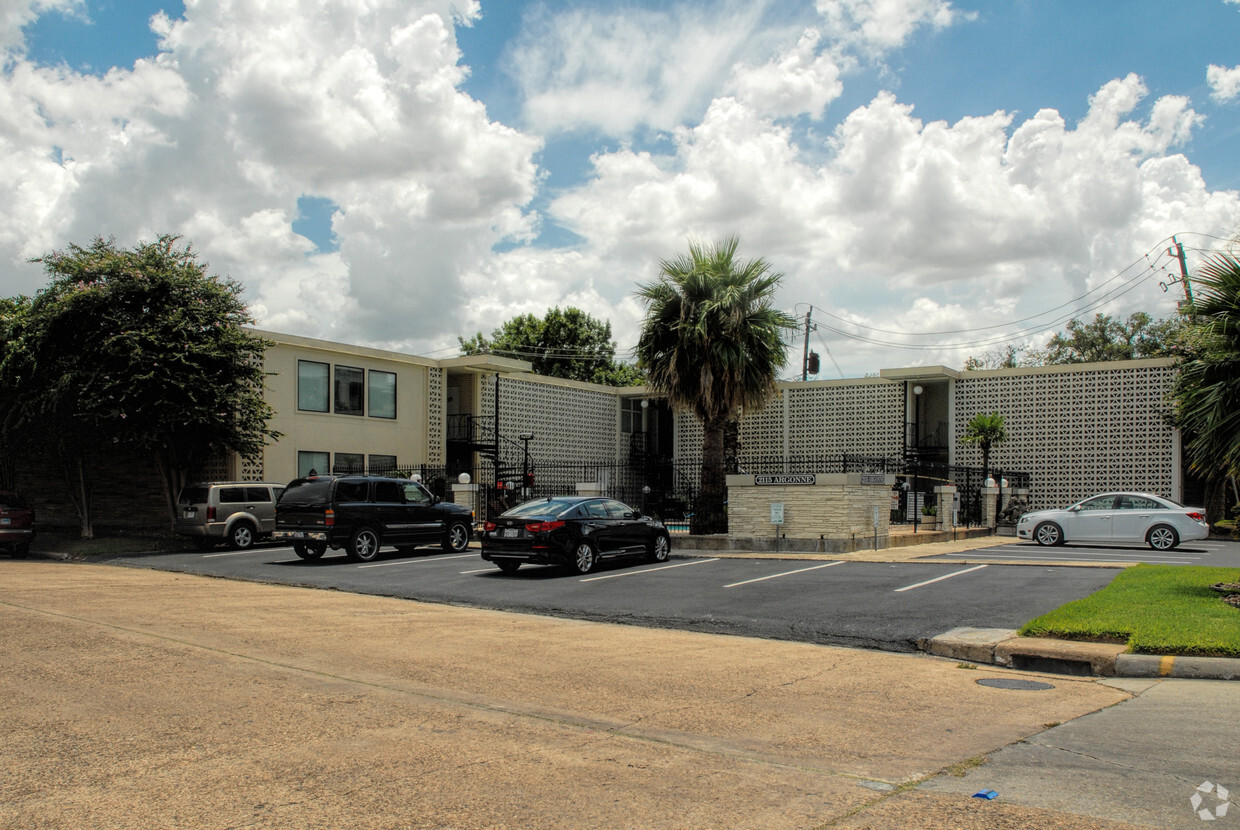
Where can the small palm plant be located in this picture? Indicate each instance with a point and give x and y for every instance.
(985, 430)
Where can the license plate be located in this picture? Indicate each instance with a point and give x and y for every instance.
(189, 514)
(6, 521)
(511, 533)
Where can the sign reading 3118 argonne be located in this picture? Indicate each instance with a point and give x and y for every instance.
(763, 481)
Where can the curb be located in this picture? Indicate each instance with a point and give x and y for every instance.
(1002, 647)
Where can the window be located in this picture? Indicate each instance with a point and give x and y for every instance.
(257, 494)
(232, 495)
(389, 492)
(311, 462)
(631, 415)
(382, 392)
(350, 491)
(348, 462)
(349, 390)
(415, 494)
(1100, 503)
(380, 464)
(312, 384)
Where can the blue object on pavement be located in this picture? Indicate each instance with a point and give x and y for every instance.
(989, 795)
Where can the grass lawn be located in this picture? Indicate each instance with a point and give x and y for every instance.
(1155, 609)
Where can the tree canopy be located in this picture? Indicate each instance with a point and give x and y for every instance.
(1207, 390)
(563, 344)
(712, 342)
(136, 348)
(1104, 338)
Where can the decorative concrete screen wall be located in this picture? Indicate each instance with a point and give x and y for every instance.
(571, 421)
(822, 419)
(1079, 429)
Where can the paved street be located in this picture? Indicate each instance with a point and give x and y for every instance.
(139, 698)
(885, 605)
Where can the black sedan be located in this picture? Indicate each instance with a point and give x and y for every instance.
(575, 531)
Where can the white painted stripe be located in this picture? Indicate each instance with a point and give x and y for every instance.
(647, 570)
(785, 573)
(417, 561)
(482, 571)
(941, 578)
(236, 553)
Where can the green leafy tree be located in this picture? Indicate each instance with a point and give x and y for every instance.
(1207, 389)
(563, 344)
(985, 430)
(712, 343)
(1105, 338)
(135, 348)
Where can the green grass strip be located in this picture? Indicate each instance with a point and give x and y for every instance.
(1155, 609)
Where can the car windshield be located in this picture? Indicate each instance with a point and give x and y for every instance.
(541, 507)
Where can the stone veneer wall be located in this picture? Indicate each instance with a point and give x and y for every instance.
(836, 506)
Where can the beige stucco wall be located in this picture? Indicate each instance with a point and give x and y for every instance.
(835, 506)
(406, 437)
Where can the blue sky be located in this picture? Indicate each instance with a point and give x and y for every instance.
(400, 173)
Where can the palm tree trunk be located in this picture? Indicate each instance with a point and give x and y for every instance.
(708, 513)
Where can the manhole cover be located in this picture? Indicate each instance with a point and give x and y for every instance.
(1013, 683)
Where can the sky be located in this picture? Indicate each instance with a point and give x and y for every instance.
(933, 180)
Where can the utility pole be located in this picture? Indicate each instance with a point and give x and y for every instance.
(805, 349)
(1188, 288)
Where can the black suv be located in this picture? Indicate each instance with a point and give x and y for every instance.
(363, 513)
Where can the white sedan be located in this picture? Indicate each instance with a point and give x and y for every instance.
(1117, 517)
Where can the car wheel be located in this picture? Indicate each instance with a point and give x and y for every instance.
(660, 548)
(364, 546)
(1162, 537)
(241, 537)
(1048, 533)
(309, 552)
(457, 537)
(508, 566)
(584, 558)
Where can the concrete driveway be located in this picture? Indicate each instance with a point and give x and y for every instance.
(133, 698)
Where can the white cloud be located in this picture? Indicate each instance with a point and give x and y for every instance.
(250, 106)
(623, 69)
(878, 26)
(798, 81)
(1224, 83)
(913, 226)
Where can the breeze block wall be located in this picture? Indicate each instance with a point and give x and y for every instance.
(1078, 429)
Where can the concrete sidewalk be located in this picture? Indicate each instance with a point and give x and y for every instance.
(135, 698)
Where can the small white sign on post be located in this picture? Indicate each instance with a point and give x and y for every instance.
(777, 513)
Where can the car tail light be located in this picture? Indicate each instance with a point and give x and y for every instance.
(488, 526)
(210, 514)
(543, 527)
(1196, 517)
(329, 518)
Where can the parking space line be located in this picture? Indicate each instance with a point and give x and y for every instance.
(416, 561)
(785, 573)
(647, 570)
(480, 571)
(940, 578)
(237, 552)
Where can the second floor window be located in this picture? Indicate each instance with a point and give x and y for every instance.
(349, 382)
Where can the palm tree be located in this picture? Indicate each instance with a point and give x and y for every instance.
(1207, 390)
(712, 343)
(985, 430)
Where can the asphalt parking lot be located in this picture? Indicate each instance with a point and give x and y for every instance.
(883, 605)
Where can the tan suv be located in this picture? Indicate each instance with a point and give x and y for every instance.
(237, 512)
